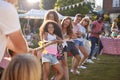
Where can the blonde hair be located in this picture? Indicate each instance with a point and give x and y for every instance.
(114, 25)
(85, 19)
(23, 67)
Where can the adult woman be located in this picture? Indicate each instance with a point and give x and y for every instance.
(84, 23)
(68, 36)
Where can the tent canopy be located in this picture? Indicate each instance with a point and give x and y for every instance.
(37, 14)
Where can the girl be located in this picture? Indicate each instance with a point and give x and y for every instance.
(19, 67)
(114, 30)
(62, 57)
(50, 32)
(52, 15)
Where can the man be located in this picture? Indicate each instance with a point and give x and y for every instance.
(11, 36)
(95, 30)
(79, 41)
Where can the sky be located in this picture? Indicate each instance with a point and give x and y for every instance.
(33, 1)
(98, 2)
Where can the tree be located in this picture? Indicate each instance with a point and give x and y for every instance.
(70, 11)
(47, 4)
(118, 23)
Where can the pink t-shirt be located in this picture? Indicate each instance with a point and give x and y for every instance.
(98, 27)
(51, 49)
(76, 28)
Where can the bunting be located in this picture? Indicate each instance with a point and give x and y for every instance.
(72, 6)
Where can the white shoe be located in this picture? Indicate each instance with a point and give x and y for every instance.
(82, 67)
(94, 57)
(77, 72)
(52, 78)
(71, 70)
(90, 61)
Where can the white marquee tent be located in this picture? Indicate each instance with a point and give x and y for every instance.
(37, 14)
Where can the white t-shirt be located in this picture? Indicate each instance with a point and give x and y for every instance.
(9, 23)
(83, 30)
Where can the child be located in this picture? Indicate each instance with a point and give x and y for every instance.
(48, 34)
(23, 67)
(114, 30)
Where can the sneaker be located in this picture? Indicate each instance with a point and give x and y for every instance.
(82, 67)
(77, 72)
(94, 57)
(90, 61)
(52, 78)
(71, 70)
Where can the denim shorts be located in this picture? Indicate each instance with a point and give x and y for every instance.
(78, 43)
(50, 58)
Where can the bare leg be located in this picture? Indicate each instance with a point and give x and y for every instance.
(46, 70)
(77, 60)
(85, 54)
(74, 59)
(60, 72)
(54, 73)
(65, 66)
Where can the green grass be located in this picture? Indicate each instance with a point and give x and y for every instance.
(107, 68)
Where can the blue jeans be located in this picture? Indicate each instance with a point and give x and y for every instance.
(95, 41)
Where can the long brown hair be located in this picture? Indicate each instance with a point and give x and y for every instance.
(44, 28)
(69, 28)
(56, 18)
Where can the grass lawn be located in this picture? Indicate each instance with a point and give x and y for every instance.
(107, 68)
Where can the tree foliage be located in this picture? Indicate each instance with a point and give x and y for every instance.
(83, 9)
(47, 4)
(55, 4)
